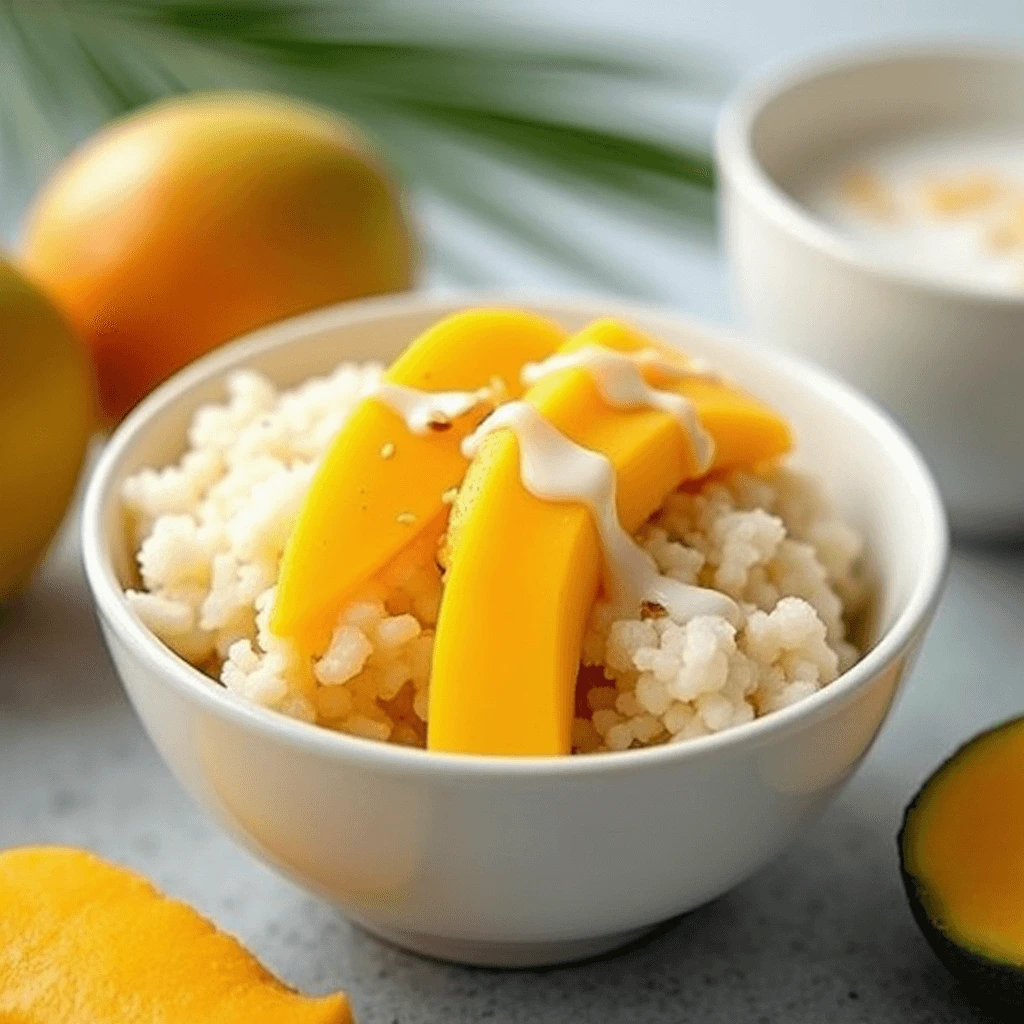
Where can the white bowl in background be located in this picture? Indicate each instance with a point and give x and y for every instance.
(945, 357)
(522, 861)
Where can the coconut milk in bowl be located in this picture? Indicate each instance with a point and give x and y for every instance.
(946, 204)
(873, 211)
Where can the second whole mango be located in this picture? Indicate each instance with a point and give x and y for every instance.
(200, 218)
(47, 414)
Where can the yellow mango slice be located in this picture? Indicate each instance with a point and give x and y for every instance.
(379, 485)
(524, 572)
(84, 941)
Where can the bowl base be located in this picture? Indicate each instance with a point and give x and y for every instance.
(503, 954)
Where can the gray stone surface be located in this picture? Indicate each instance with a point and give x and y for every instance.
(822, 935)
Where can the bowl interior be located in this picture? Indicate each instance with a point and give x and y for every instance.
(873, 473)
(814, 125)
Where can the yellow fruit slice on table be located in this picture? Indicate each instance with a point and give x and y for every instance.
(82, 940)
(380, 486)
(524, 572)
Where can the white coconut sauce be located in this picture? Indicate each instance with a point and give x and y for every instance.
(422, 411)
(621, 384)
(555, 468)
(950, 248)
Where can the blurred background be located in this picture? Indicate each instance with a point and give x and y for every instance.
(550, 145)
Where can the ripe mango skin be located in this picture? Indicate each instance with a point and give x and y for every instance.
(84, 941)
(47, 414)
(199, 218)
(523, 572)
(349, 527)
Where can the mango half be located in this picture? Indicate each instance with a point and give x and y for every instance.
(962, 861)
(523, 572)
(85, 941)
(380, 487)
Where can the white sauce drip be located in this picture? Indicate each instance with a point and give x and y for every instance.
(423, 409)
(621, 384)
(555, 468)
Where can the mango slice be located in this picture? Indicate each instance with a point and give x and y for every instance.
(83, 940)
(379, 485)
(523, 572)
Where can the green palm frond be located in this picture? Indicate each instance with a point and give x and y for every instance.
(437, 98)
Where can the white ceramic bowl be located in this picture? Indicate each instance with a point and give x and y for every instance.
(525, 861)
(946, 359)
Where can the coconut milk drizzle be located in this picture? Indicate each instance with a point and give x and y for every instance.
(423, 410)
(555, 468)
(621, 384)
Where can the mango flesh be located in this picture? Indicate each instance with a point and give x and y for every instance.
(82, 940)
(523, 572)
(963, 847)
(47, 413)
(363, 509)
(197, 219)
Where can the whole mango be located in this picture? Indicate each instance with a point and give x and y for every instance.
(47, 412)
(199, 218)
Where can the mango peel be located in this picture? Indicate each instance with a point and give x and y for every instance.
(47, 414)
(199, 218)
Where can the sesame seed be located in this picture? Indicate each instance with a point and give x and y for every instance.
(450, 495)
(405, 518)
(387, 449)
(495, 392)
(652, 610)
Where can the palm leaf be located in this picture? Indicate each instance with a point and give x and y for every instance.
(435, 98)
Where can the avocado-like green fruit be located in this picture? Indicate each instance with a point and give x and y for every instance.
(962, 861)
